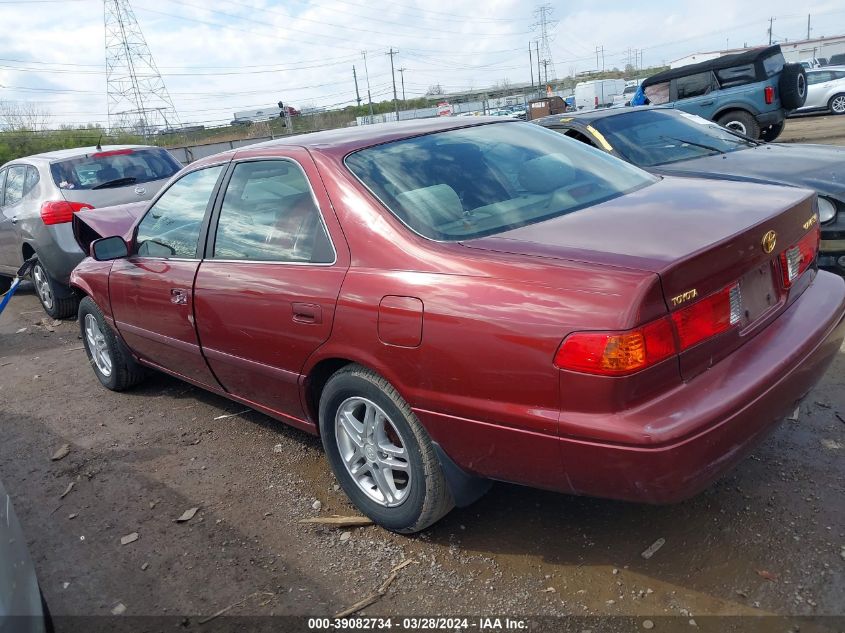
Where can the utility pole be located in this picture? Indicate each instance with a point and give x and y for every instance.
(546, 69)
(531, 64)
(401, 72)
(537, 51)
(597, 57)
(771, 20)
(808, 26)
(367, 74)
(393, 74)
(357, 94)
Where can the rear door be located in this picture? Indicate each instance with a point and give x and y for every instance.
(150, 290)
(266, 291)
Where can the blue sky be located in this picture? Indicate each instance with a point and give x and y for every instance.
(220, 56)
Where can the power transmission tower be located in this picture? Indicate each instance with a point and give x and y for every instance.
(137, 97)
(545, 25)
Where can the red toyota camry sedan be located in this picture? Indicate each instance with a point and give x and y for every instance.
(448, 303)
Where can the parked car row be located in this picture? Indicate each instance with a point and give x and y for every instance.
(454, 301)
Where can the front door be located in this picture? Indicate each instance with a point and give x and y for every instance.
(11, 193)
(151, 290)
(266, 291)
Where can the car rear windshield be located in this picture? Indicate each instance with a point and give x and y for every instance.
(114, 168)
(482, 180)
(658, 137)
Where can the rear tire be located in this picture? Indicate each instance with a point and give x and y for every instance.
(380, 453)
(109, 357)
(837, 104)
(742, 122)
(5, 284)
(45, 289)
(772, 132)
(792, 86)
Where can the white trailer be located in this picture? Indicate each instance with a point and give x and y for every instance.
(598, 93)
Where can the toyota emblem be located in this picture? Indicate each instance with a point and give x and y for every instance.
(140, 191)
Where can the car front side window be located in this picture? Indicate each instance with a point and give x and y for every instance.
(269, 214)
(172, 225)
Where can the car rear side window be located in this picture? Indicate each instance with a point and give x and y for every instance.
(486, 179)
(114, 168)
(172, 225)
(736, 75)
(694, 85)
(269, 214)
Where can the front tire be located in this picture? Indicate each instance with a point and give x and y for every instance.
(45, 288)
(111, 360)
(380, 453)
(837, 104)
(742, 122)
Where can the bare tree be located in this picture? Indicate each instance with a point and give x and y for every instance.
(23, 117)
(435, 89)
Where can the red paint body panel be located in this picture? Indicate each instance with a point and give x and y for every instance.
(467, 332)
(154, 327)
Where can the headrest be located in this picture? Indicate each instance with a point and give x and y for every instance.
(546, 173)
(438, 203)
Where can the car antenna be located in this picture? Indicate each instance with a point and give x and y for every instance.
(99, 148)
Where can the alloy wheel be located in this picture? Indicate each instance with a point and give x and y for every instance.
(97, 345)
(736, 126)
(838, 104)
(42, 286)
(373, 451)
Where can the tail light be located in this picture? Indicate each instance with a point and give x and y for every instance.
(769, 93)
(61, 211)
(617, 353)
(796, 259)
(708, 317)
(597, 102)
(622, 353)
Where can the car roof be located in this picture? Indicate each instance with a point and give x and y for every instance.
(589, 116)
(61, 154)
(349, 139)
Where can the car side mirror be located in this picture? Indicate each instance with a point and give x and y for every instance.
(108, 248)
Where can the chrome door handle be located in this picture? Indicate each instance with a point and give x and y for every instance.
(179, 296)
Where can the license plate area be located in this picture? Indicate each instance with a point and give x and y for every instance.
(760, 295)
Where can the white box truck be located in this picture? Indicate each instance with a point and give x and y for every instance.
(598, 93)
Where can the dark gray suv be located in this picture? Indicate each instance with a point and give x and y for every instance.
(39, 195)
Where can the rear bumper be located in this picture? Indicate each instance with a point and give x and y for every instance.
(725, 412)
(58, 251)
(772, 117)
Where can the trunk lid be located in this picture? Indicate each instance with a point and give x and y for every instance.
(698, 236)
(92, 224)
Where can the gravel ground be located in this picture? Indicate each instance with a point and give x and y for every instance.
(767, 539)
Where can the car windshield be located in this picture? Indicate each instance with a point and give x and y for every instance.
(487, 179)
(114, 168)
(649, 138)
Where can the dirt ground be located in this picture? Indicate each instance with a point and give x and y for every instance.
(814, 128)
(768, 539)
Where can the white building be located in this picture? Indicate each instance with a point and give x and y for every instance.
(796, 51)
